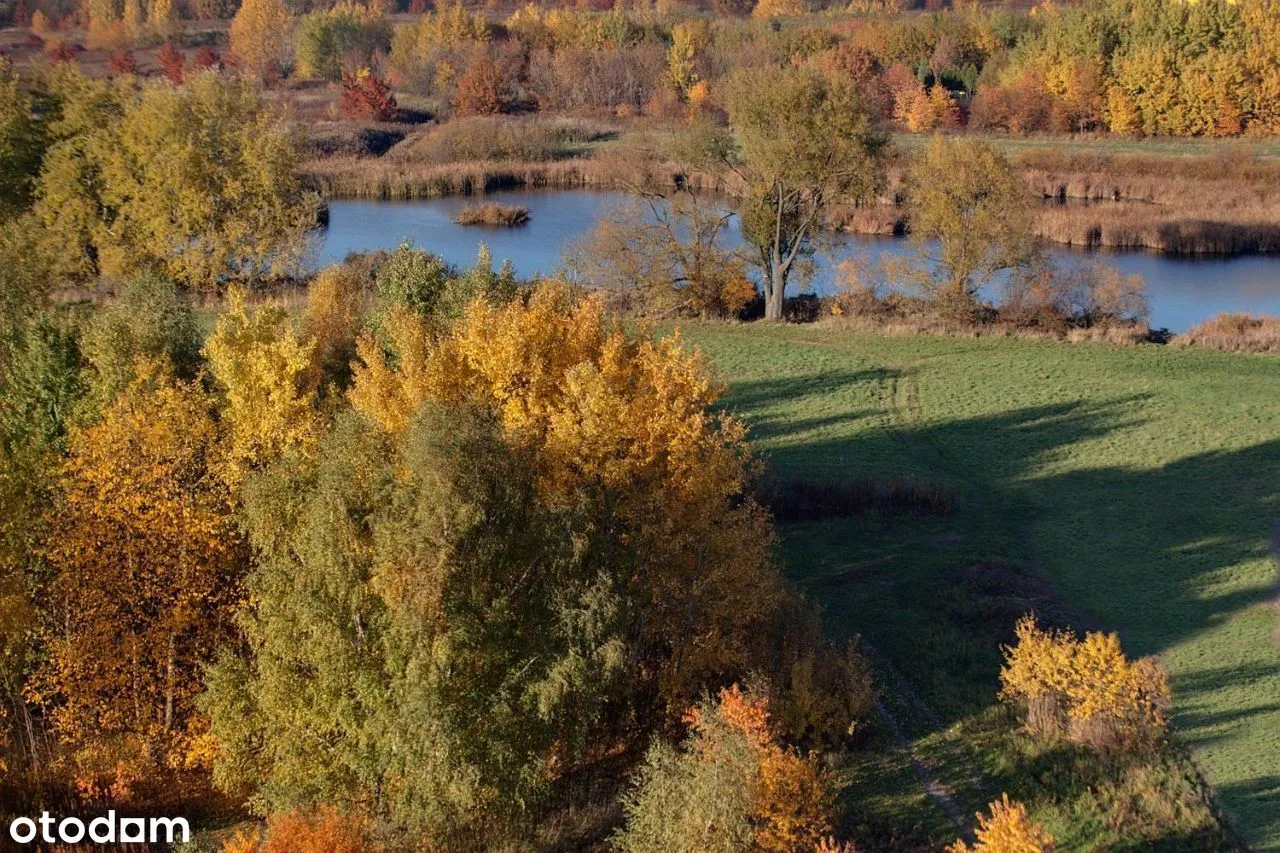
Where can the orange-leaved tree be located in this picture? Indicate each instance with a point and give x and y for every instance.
(147, 557)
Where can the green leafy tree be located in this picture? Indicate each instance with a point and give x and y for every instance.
(148, 319)
(197, 183)
(23, 139)
(426, 638)
(327, 38)
(803, 142)
(971, 215)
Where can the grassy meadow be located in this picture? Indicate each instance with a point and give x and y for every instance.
(1126, 488)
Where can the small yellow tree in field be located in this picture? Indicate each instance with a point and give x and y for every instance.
(1086, 689)
(1008, 829)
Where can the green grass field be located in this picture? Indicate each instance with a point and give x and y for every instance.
(1127, 488)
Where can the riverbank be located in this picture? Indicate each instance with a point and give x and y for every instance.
(1105, 203)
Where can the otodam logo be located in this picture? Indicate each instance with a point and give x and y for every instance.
(107, 829)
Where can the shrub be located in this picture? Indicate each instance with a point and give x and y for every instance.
(1235, 333)
(1008, 829)
(61, 51)
(324, 830)
(122, 62)
(811, 500)
(1044, 295)
(493, 214)
(1086, 690)
(731, 786)
(482, 90)
(172, 62)
(365, 96)
(206, 59)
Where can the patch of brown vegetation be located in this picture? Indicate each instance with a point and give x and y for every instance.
(493, 215)
(1234, 333)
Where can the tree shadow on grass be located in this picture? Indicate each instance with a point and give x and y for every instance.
(1162, 554)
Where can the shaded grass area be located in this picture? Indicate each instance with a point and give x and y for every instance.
(1131, 488)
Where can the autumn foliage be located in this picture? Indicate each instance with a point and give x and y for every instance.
(366, 96)
(732, 785)
(1007, 829)
(1084, 689)
(147, 558)
(322, 830)
(621, 416)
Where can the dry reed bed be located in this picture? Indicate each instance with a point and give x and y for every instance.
(1234, 333)
(493, 215)
(1208, 206)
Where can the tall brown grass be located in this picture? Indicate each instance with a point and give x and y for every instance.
(493, 215)
(1234, 333)
(1186, 205)
(1170, 203)
(811, 500)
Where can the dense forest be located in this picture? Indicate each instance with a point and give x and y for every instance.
(1124, 66)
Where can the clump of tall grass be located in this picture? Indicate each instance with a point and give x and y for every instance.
(386, 179)
(493, 215)
(813, 500)
(501, 138)
(1234, 333)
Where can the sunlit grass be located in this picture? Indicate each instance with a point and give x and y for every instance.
(1131, 488)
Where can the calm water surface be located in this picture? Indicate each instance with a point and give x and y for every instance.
(1182, 291)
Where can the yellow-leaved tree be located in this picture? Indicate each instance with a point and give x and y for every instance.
(1086, 688)
(266, 372)
(262, 36)
(147, 559)
(622, 422)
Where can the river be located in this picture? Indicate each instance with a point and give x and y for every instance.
(1182, 291)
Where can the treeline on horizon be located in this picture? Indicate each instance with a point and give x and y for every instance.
(1209, 68)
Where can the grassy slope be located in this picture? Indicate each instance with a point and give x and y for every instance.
(1131, 488)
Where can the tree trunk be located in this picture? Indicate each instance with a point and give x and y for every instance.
(169, 684)
(773, 292)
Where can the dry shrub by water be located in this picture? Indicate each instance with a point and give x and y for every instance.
(493, 215)
(1234, 333)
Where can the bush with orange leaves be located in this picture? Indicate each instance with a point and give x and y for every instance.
(732, 786)
(1008, 829)
(324, 830)
(1086, 689)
